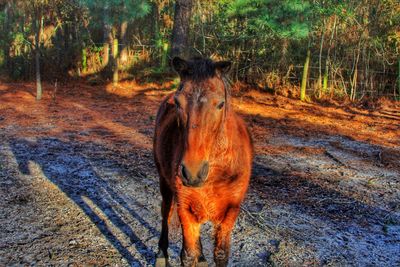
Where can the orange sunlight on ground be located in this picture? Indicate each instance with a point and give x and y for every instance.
(79, 107)
(372, 127)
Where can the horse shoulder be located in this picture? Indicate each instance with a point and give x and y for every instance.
(243, 146)
(243, 132)
(241, 139)
(166, 138)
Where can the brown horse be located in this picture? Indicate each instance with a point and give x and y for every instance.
(203, 154)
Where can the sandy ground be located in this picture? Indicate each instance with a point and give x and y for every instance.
(78, 184)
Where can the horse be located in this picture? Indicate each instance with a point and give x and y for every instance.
(203, 153)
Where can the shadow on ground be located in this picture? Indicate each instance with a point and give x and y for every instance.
(65, 165)
(86, 171)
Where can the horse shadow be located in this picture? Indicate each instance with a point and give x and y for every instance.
(74, 174)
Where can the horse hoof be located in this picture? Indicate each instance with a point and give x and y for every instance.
(202, 262)
(161, 260)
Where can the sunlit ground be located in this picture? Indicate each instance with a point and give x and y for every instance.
(78, 183)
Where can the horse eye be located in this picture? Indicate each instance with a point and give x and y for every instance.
(220, 105)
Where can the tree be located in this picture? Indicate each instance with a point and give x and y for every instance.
(36, 10)
(115, 14)
(286, 20)
(181, 29)
(6, 20)
(351, 47)
(38, 20)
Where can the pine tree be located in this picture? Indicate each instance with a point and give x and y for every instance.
(180, 32)
(114, 14)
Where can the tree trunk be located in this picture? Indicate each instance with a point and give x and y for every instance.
(327, 61)
(106, 38)
(398, 79)
(354, 78)
(84, 60)
(38, 76)
(7, 23)
(284, 53)
(325, 79)
(124, 47)
(180, 31)
(354, 84)
(155, 15)
(305, 77)
(106, 54)
(115, 60)
(320, 86)
(164, 55)
(38, 24)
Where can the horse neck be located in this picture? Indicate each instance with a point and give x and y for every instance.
(226, 137)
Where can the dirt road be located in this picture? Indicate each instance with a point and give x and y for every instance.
(78, 184)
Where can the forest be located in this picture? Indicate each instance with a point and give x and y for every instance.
(329, 49)
(316, 82)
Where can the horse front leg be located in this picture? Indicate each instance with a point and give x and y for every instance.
(191, 254)
(166, 211)
(222, 236)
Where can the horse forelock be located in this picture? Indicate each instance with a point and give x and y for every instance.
(199, 69)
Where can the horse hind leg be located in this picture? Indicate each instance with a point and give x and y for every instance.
(166, 211)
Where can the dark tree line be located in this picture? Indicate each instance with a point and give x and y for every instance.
(340, 49)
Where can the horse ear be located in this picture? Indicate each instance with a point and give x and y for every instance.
(179, 65)
(223, 66)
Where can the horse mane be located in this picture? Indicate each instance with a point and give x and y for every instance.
(200, 69)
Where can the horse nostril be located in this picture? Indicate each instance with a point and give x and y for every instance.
(185, 173)
(203, 171)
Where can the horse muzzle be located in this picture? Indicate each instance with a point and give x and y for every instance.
(194, 177)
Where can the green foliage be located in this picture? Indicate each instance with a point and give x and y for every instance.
(284, 18)
(267, 40)
(116, 11)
